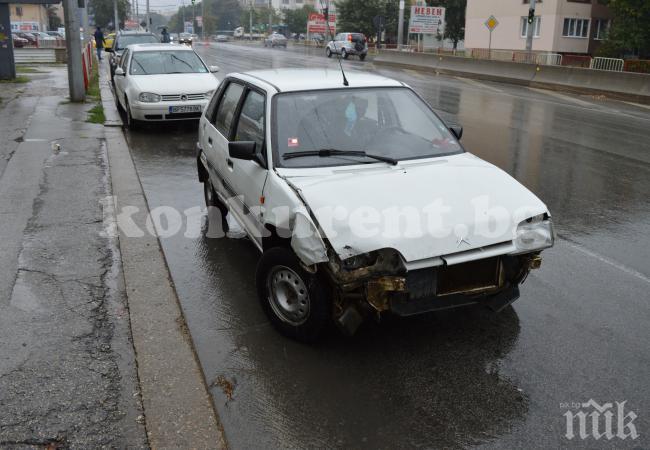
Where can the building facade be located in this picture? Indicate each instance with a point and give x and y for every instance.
(560, 26)
(26, 17)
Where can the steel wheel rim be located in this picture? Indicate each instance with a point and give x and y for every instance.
(288, 295)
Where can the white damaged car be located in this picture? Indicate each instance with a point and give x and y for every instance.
(361, 200)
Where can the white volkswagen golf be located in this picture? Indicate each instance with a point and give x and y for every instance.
(361, 200)
(156, 82)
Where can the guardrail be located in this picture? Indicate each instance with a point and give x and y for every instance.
(549, 59)
(611, 64)
(50, 43)
(637, 65)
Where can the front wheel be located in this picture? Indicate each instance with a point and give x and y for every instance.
(362, 56)
(131, 123)
(296, 302)
(328, 52)
(344, 54)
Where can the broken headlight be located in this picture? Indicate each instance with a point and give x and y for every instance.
(535, 233)
(388, 258)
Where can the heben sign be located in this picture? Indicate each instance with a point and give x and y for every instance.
(427, 20)
(316, 23)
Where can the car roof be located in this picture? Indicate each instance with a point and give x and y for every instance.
(135, 33)
(291, 80)
(160, 47)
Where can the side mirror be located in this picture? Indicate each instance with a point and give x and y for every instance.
(119, 72)
(242, 150)
(213, 69)
(457, 130)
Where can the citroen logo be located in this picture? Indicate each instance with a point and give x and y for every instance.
(183, 98)
(460, 241)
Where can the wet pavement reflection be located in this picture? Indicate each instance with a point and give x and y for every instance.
(450, 379)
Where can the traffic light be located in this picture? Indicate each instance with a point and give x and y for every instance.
(193, 2)
(531, 15)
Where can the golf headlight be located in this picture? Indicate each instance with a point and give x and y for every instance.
(148, 97)
(534, 234)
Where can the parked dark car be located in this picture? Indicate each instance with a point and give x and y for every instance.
(124, 39)
(33, 40)
(19, 42)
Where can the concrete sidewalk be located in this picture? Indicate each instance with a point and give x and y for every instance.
(83, 364)
(67, 366)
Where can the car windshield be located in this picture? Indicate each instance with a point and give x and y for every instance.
(388, 122)
(165, 62)
(125, 41)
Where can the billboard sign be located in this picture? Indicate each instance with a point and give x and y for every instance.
(189, 28)
(316, 23)
(427, 20)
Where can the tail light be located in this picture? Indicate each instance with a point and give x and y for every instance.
(349, 37)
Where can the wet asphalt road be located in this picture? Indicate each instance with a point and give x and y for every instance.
(459, 378)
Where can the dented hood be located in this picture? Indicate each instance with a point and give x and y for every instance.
(423, 209)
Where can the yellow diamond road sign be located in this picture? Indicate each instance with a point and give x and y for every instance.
(491, 23)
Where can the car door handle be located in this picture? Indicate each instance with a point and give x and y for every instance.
(210, 140)
(230, 163)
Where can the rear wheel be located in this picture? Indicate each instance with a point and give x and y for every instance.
(296, 302)
(328, 52)
(362, 56)
(344, 54)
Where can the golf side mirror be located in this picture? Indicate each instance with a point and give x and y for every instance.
(213, 69)
(119, 72)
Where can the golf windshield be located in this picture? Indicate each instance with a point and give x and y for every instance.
(387, 122)
(166, 62)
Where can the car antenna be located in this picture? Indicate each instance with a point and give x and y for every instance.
(329, 30)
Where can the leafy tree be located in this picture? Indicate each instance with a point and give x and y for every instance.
(103, 11)
(227, 13)
(54, 21)
(352, 18)
(296, 19)
(629, 32)
(260, 18)
(454, 19)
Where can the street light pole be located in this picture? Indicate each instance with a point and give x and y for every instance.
(400, 26)
(147, 17)
(73, 46)
(116, 19)
(203, 20)
(531, 27)
(270, 17)
(250, 22)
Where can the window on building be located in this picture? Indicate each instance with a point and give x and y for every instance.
(537, 25)
(601, 27)
(19, 11)
(576, 28)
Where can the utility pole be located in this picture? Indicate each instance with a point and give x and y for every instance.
(137, 13)
(203, 20)
(250, 22)
(147, 17)
(270, 17)
(73, 46)
(183, 9)
(531, 26)
(400, 26)
(116, 17)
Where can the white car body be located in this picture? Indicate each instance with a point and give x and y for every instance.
(184, 90)
(484, 211)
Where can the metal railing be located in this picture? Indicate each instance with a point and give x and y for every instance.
(50, 43)
(611, 64)
(549, 59)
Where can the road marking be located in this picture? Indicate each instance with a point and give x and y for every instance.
(638, 105)
(564, 97)
(608, 261)
(480, 85)
(415, 73)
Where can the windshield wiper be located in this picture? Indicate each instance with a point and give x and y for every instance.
(325, 152)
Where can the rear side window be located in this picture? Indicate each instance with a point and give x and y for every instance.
(250, 126)
(227, 107)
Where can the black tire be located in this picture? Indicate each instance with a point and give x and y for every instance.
(279, 267)
(328, 52)
(131, 123)
(211, 200)
(344, 54)
(362, 56)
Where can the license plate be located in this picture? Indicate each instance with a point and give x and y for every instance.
(185, 109)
